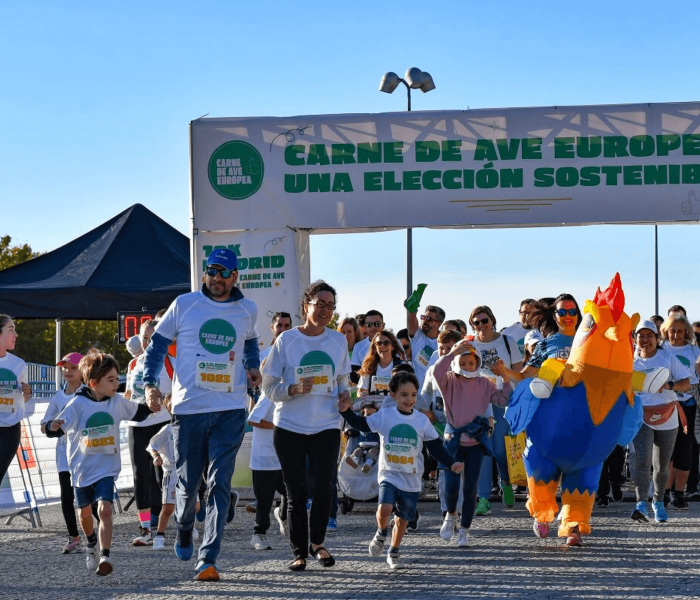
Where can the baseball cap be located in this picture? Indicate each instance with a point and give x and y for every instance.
(73, 358)
(533, 337)
(648, 325)
(133, 345)
(223, 257)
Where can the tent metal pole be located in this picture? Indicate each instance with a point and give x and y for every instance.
(656, 269)
(59, 375)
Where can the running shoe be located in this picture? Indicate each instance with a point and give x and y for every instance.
(206, 572)
(508, 496)
(281, 521)
(332, 525)
(376, 546)
(483, 508)
(231, 514)
(660, 514)
(259, 542)
(73, 546)
(679, 502)
(184, 546)
(574, 537)
(413, 524)
(603, 502)
(159, 543)
(641, 512)
(393, 559)
(144, 537)
(91, 557)
(104, 567)
(252, 507)
(541, 529)
(463, 539)
(449, 527)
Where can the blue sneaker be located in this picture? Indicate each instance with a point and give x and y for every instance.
(641, 512)
(332, 525)
(184, 544)
(660, 514)
(206, 572)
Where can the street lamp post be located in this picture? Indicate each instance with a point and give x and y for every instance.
(417, 80)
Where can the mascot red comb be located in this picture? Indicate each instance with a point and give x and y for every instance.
(575, 411)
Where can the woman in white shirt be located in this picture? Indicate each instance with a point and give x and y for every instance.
(305, 374)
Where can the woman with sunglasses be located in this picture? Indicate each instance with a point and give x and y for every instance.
(679, 339)
(558, 323)
(494, 348)
(14, 392)
(306, 373)
(384, 354)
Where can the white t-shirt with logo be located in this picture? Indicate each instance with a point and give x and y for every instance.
(138, 393)
(687, 356)
(13, 373)
(92, 429)
(210, 376)
(402, 437)
(325, 357)
(677, 370)
(263, 456)
(359, 351)
(422, 348)
(163, 443)
(517, 332)
(491, 352)
(383, 375)
(57, 403)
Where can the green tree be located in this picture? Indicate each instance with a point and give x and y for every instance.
(37, 337)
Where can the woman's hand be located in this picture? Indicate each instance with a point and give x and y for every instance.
(499, 369)
(344, 402)
(56, 424)
(26, 391)
(457, 467)
(303, 387)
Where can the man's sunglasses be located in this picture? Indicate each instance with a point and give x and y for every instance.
(225, 273)
(476, 322)
(562, 312)
(427, 319)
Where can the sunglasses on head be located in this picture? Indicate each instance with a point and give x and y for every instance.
(476, 322)
(562, 312)
(225, 273)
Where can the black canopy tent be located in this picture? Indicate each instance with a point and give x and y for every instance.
(132, 261)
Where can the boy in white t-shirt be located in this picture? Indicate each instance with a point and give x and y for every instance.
(402, 432)
(91, 422)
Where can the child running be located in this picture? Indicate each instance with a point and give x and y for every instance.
(467, 396)
(91, 422)
(402, 431)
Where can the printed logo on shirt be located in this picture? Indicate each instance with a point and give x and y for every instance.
(217, 336)
(9, 391)
(684, 361)
(489, 357)
(317, 357)
(402, 439)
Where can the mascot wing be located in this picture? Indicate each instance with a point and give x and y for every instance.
(522, 407)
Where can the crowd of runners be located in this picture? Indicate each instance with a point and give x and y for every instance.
(402, 407)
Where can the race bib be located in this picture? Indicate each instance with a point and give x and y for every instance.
(424, 356)
(380, 385)
(322, 374)
(100, 439)
(9, 400)
(215, 376)
(402, 449)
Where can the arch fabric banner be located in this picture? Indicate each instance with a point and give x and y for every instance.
(474, 168)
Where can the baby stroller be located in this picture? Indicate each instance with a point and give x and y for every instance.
(359, 483)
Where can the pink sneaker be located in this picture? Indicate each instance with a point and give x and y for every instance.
(541, 529)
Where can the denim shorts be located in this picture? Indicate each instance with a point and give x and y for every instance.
(102, 489)
(404, 503)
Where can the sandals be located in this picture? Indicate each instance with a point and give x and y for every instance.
(326, 562)
(297, 566)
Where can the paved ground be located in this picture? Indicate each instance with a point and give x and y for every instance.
(622, 559)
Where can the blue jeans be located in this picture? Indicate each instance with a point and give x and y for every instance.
(472, 457)
(500, 430)
(214, 437)
(101, 490)
(405, 503)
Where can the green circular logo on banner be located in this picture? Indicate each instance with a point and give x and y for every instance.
(236, 170)
(217, 336)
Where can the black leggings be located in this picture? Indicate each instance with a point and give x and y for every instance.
(9, 442)
(321, 449)
(67, 507)
(147, 477)
(682, 458)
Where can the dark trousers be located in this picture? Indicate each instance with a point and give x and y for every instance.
(9, 442)
(265, 484)
(147, 477)
(322, 450)
(67, 507)
(612, 471)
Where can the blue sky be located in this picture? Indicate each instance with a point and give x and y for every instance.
(96, 99)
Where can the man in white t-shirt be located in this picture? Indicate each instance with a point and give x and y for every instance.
(217, 358)
(374, 323)
(424, 338)
(519, 329)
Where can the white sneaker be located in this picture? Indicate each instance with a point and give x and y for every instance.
(376, 546)
(393, 559)
(449, 526)
(143, 538)
(105, 566)
(159, 543)
(91, 557)
(259, 542)
(282, 522)
(463, 537)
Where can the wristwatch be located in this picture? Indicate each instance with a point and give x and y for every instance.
(671, 385)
